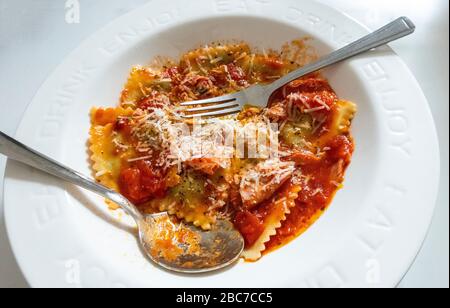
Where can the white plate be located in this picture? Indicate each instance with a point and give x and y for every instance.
(65, 237)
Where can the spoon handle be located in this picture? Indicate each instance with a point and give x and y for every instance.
(17, 151)
(399, 28)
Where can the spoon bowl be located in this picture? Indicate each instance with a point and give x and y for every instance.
(186, 249)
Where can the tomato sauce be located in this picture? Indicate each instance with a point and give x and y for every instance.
(317, 192)
(142, 182)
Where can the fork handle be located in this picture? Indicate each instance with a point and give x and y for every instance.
(17, 151)
(399, 28)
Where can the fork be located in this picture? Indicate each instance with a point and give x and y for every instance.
(259, 95)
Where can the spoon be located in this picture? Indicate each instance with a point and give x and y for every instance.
(170, 244)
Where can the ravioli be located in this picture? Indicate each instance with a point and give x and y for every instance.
(194, 171)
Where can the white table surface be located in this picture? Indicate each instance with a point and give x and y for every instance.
(35, 38)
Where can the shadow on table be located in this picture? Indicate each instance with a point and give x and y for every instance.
(10, 274)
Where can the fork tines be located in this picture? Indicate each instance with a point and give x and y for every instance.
(213, 107)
